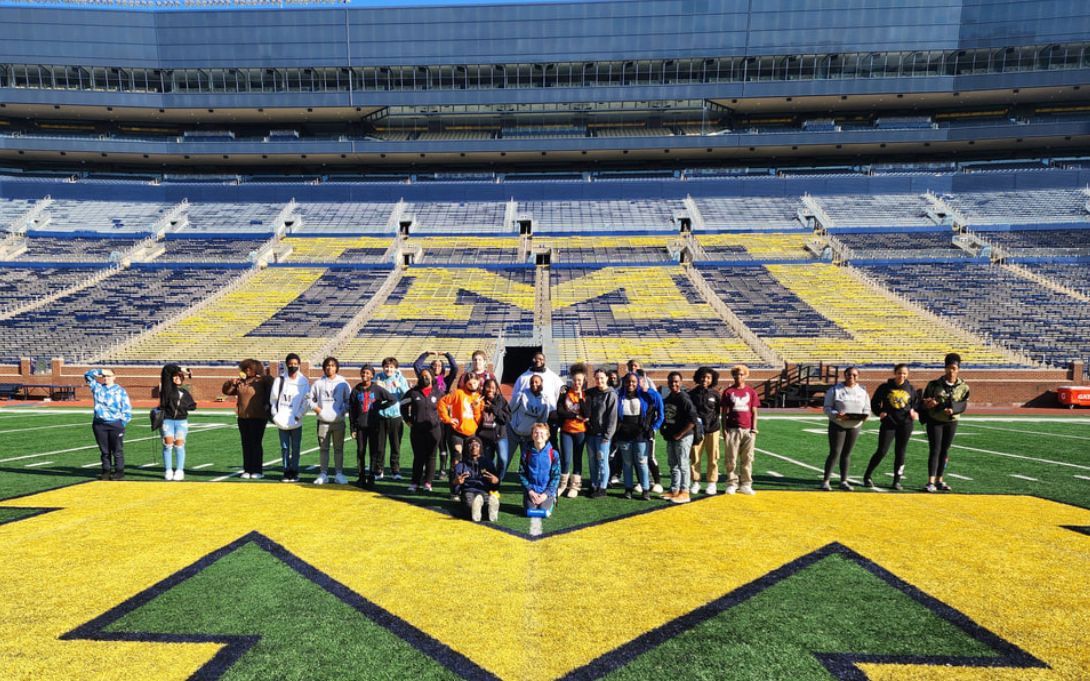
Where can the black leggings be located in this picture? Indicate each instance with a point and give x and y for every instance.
(424, 441)
(841, 441)
(939, 438)
(252, 432)
(889, 433)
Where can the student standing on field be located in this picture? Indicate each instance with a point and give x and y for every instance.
(175, 403)
(329, 400)
(290, 399)
(739, 402)
(678, 429)
(420, 409)
(705, 397)
(847, 405)
(365, 403)
(390, 425)
(601, 426)
(895, 404)
(113, 411)
(572, 414)
(251, 389)
(944, 400)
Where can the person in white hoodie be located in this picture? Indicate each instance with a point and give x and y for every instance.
(847, 405)
(551, 383)
(289, 402)
(329, 400)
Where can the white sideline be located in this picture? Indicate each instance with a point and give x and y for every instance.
(1023, 457)
(1024, 477)
(775, 474)
(1082, 477)
(203, 465)
(977, 424)
(959, 477)
(200, 426)
(26, 430)
(40, 463)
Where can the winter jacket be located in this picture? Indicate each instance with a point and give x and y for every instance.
(494, 419)
(253, 396)
(526, 410)
(651, 410)
(444, 382)
(707, 404)
(397, 386)
(840, 399)
(291, 396)
(366, 404)
(601, 413)
(679, 415)
(463, 407)
(421, 410)
(177, 403)
(330, 394)
(539, 470)
(896, 401)
(570, 408)
(476, 482)
(954, 397)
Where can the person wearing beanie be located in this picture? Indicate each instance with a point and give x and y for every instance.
(944, 400)
(476, 482)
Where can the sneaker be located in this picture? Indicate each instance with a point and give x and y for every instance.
(746, 490)
(340, 479)
(168, 474)
(614, 481)
(671, 494)
(731, 489)
(598, 494)
(627, 494)
(397, 476)
(245, 476)
(846, 486)
(118, 475)
(455, 497)
(179, 474)
(943, 487)
(379, 475)
(285, 479)
(657, 489)
(427, 488)
(412, 489)
(104, 475)
(681, 498)
(711, 490)
(475, 509)
(868, 482)
(825, 486)
(321, 479)
(638, 489)
(930, 487)
(646, 496)
(897, 485)
(695, 489)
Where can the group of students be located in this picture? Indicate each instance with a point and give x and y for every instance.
(548, 424)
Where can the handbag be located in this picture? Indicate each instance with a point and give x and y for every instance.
(157, 417)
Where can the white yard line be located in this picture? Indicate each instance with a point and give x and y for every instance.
(203, 465)
(775, 474)
(978, 424)
(27, 430)
(148, 465)
(40, 463)
(1083, 477)
(266, 463)
(96, 464)
(199, 427)
(790, 460)
(1024, 477)
(1021, 456)
(535, 527)
(959, 477)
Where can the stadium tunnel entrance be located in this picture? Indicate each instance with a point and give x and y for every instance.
(516, 360)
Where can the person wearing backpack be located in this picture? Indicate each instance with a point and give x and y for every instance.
(679, 428)
(539, 472)
(289, 402)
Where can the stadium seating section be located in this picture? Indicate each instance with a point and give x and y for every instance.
(615, 287)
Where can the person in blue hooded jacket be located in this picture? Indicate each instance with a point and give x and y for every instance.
(639, 415)
(539, 471)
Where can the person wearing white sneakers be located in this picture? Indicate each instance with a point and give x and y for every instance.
(175, 403)
(329, 400)
(740, 431)
(288, 400)
(679, 430)
(847, 405)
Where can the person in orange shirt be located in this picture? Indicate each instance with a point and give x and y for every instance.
(461, 410)
(571, 410)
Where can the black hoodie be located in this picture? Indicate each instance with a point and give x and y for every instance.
(174, 400)
(895, 400)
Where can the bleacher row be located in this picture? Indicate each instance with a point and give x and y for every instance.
(560, 217)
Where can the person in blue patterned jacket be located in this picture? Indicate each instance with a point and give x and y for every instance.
(113, 411)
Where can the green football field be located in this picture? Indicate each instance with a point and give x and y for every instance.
(817, 614)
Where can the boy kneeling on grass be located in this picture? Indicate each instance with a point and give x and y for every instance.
(539, 473)
(476, 483)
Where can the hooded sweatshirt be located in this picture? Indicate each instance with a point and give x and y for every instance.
(708, 405)
(442, 381)
(539, 470)
(291, 396)
(840, 399)
(641, 426)
(526, 410)
(420, 408)
(954, 397)
(330, 395)
(550, 385)
(896, 401)
(365, 405)
(602, 413)
(476, 482)
(397, 386)
(463, 407)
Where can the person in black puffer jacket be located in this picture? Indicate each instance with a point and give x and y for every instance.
(175, 403)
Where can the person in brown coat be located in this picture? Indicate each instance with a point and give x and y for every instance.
(252, 390)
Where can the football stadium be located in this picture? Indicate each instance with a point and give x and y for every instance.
(435, 339)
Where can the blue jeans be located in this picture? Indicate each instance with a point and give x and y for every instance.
(634, 452)
(290, 443)
(678, 452)
(571, 452)
(598, 456)
(497, 454)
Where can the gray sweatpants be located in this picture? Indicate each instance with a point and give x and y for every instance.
(331, 432)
